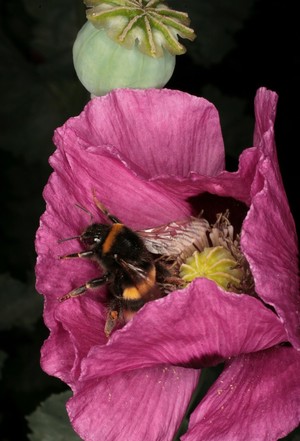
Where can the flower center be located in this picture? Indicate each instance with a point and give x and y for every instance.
(151, 24)
(214, 263)
(216, 255)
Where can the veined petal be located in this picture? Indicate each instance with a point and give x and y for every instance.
(124, 191)
(79, 325)
(236, 185)
(157, 131)
(141, 405)
(58, 355)
(265, 105)
(211, 325)
(257, 397)
(269, 239)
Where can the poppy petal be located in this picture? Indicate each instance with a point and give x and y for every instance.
(79, 325)
(158, 131)
(140, 405)
(257, 397)
(269, 239)
(211, 325)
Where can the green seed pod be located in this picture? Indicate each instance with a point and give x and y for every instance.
(129, 43)
(102, 65)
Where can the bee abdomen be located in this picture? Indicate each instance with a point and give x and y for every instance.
(131, 293)
(141, 287)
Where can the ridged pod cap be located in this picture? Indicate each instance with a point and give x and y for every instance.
(128, 43)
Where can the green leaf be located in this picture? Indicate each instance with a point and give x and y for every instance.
(50, 422)
(20, 304)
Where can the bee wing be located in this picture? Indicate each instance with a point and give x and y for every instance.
(133, 270)
(176, 237)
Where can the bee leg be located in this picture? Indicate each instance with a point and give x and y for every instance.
(111, 320)
(83, 254)
(177, 281)
(93, 283)
(104, 210)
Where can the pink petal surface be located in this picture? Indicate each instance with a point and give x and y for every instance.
(157, 131)
(140, 405)
(118, 187)
(79, 326)
(257, 397)
(236, 185)
(269, 235)
(199, 326)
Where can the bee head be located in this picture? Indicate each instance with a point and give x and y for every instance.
(95, 234)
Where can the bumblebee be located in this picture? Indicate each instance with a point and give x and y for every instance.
(139, 266)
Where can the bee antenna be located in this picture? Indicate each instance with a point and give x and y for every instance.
(103, 210)
(68, 238)
(86, 210)
(99, 204)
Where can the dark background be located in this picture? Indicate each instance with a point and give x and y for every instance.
(239, 48)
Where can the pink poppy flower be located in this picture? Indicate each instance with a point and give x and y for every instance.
(153, 156)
